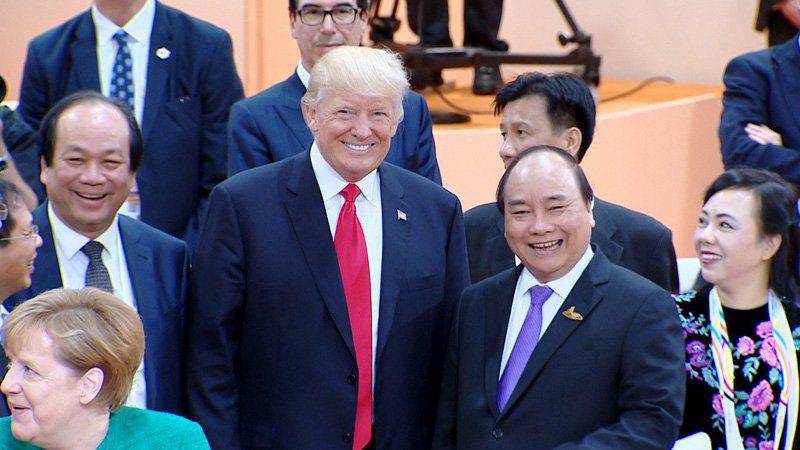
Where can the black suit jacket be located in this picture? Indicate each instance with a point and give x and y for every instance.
(271, 361)
(614, 380)
(189, 95)
(628, 238)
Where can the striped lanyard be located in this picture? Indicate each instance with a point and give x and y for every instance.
(723, 362)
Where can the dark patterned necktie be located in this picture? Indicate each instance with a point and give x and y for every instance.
(122, 73)
(96, 274)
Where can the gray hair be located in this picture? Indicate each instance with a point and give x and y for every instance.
(358, 70)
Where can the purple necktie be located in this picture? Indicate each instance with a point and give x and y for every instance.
(526, 342)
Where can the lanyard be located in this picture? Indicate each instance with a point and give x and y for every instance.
(723, 362)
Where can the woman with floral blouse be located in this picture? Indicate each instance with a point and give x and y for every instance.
(742, 329)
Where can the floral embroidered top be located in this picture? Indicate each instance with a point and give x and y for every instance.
(757, 373)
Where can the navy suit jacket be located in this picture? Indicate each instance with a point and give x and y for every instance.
(613, 380)
(628, 238)
(158, 267)
(269, 127)
(763, 87)
(271, 360)
(186, 106)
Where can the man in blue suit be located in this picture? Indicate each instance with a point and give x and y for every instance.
(183, 82)
(269, 126)
(566, 351)
(760, 125)
(91, 150)
(324, 288)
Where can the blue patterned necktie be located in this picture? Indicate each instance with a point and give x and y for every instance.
(96, 273)
(526, 341)
(122, 73)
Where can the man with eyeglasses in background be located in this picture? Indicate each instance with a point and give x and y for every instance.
(269, 126)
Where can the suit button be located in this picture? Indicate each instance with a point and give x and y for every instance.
(497, 433)
(352, 378)
(347, 437)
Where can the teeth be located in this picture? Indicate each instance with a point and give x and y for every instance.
(358, 148)
(711, 257)
(545, 246)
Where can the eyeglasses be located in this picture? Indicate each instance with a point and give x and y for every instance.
(341, 15)
(32, 233)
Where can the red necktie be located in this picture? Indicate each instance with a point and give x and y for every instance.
(351, 251)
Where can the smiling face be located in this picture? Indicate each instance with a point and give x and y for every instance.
(729, 241)
(314, 41)
(44, 395)
(526, 124)
(353, 131)
(90, 175)
(547, 223)
(18, 253)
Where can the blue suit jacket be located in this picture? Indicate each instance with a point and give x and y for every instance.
(271, 360)
(763, 87)
(186, 106)
(613, 380)
(158, 266)
(269, 127)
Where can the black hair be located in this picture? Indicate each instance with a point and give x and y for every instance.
(9, 199)
(50, 124)
(361, 4)
(580, 177)
(778, 215)
(569, 102)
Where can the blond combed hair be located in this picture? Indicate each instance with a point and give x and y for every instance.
(358, 70)
(89, 328)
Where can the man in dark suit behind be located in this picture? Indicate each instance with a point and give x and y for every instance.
(91, 149)
(780, 19)
(559, 110)
(568, 350)
(325, 283)
(760, 124)
(183, 82)
(269, 126)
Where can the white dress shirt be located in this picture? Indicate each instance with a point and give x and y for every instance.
(72, 263)
(303, 74)
(139, 29)
(368, 210)
(522, 302)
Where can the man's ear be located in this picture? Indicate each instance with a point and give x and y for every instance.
(310, 116)
(90, 385)
(43, 170)
(572, 138)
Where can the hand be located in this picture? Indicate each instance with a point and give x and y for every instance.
(762, 134)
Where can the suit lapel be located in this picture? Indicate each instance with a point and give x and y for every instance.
(84, 57)
(307, 214)
(395, 243)
(48, 274)
(501, 257)
(158, 69)
(497, 312)
(138, 258)
(787, 65)
(584, 297)
(604, 232)
(292, 114)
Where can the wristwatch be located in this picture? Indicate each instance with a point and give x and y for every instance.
(3, 164)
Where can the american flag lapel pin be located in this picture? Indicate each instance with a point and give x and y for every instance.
(401, 215)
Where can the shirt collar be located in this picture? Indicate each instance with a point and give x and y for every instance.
(331, 183)
(303, 74)
(139, 27)
(70, 242)
(561, 286)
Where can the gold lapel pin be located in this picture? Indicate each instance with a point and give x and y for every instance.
(571, 314)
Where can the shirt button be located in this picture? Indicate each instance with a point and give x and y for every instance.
(347, 437)
(352, 378)
(497, 433)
